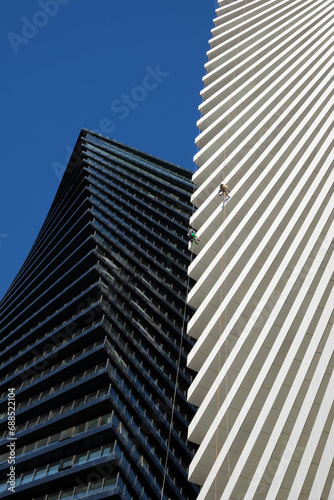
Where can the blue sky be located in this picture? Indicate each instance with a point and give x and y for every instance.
(131, 70)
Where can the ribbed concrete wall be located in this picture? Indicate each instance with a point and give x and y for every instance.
(264, 265)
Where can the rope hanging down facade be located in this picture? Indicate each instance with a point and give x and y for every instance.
(171, 426)
(221, 301)
(224, 281)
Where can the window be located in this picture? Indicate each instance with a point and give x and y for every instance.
(55, 437)
(79, 428)
(40, 472)
(91, 397)
(54, 413)
(65, 434)
(103, 392)
(53, 468)
(53, 496)
(80, 459)
(65, 463)
(67, 407)
(92, 424)
(106, 450)
(78, 402)
(42, 442)
(67, 493)
(96, 485)
(110, 481)
(43, 418)
(26, 477)
(94, 453)
(29, 447)
(80, 491)
(33, 422)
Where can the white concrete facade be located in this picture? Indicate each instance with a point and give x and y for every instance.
(264, 265)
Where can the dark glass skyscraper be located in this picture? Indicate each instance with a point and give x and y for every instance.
(93, 352)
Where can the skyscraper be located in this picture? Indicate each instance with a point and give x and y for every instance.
(93, 350)
(264, 290)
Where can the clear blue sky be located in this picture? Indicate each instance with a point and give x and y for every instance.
(132, 69)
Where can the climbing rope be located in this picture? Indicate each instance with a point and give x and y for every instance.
(221, 300)
(221, 286)
(219, 354)
(177, 374)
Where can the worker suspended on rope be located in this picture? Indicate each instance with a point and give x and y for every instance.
(192, 236)
(223, 189)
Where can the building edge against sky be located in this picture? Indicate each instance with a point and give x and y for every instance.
(264, 267)
(92, 335)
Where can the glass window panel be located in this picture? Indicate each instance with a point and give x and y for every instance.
(79, 428)
(97, 485)
(65, 463)
(67, 407)
(94, 454)
(32, 422)
(40, 472)
(55, 437)
(30, 447)
(105, 419)
(92, 424)
(27, 477)
(67, 493)
(91, 397)
(102, 392)
(89, 372)
(66, 434)
(78, 402)
(81, 458)
(80, 491)
(55, 413)
(42, 442)
(53, 496)
(106, 450)
(53, 468)
(109, 482)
